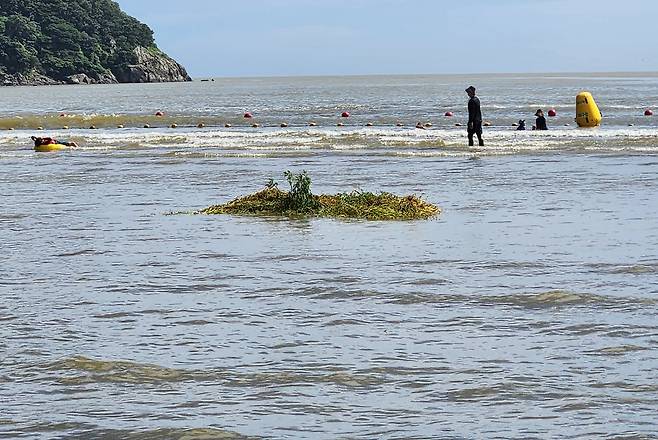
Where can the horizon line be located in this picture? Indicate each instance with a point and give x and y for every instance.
(356, 75)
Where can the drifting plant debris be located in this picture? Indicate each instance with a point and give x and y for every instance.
(300, 201)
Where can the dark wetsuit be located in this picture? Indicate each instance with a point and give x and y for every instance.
(541, 123)
(474, 121)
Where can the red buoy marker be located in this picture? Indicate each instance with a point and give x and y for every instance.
(449, 115)
(159, 114)
(552, 113)
(345, 115)
(648, 112)
(248, 115)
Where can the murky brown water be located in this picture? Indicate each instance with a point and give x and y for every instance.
(526, 311)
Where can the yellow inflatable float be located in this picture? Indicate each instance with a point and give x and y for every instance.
(587, 112)
(50, 147)
(48, 144)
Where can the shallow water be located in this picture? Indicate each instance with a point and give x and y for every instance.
(526, 310)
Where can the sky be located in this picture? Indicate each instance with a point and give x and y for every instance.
(354, 37)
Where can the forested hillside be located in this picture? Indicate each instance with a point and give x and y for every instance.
(60, 38)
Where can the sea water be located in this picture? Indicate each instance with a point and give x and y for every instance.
(527, 310)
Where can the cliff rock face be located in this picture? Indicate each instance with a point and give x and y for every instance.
(26, 79)
(34, 78)
(81, 78)
(152, 66)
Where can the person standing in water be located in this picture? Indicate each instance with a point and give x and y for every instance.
(540, 123)
(474, 117)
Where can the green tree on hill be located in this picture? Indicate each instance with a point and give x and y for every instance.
(58, 38)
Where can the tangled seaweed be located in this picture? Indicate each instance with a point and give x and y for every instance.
(299, 201)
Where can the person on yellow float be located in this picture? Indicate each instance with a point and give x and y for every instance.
(40, 141)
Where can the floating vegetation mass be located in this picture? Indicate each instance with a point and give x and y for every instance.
(299, 201)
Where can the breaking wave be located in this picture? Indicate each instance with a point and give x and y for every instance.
(396, 141)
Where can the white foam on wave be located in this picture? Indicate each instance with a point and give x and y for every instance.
(407, 141)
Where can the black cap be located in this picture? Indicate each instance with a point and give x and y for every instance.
(470, 89)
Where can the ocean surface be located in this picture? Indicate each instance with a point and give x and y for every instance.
(527, 310)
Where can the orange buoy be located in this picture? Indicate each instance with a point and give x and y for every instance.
(248, 115)
(648, 112)
(159, 114)
(345, 114)
(449, 115)
(552, 113)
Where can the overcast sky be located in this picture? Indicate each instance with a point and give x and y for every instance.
(322, 37)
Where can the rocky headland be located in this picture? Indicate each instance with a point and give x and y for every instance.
(94, 43)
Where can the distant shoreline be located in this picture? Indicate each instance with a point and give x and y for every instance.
(196, 79)
(614, 74)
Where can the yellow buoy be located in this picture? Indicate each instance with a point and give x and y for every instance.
(587, 113)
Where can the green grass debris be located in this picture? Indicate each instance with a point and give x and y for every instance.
(301, 202)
